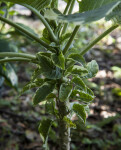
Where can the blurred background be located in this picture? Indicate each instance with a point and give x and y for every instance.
(19, 119)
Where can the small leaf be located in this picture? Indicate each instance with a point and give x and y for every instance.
(78, 70)
(90, 92)
(44, 128)
(50, 106)
(9, 74)
(65, 91)
(43, 92)
(72, 51)
(69, 63)
(80, 111)
(92, 68)
(36, 73)
(59, 60)
(34, 84)
(48, 69)
(78, 58)
(79, 82)
(81, 96)
(65, 37)
(69, 123)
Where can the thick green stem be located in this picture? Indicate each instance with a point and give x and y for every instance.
(65, 12)
(69, 12)
(98, 39)
(12, 54)
(54, 38)
(25, 31)
(14, 59)
(64, 130)
(71, 39)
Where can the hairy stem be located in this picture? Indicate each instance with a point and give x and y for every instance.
(14, 59)
(69, 12)
(71, 39)
(12, 54)
(64, 130)
(54, 38)
(98, 39)
(25, 31)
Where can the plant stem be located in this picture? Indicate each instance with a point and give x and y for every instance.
(64, 130)
(98, 39)
(12, 54)
(14, 59)
(71, 39)
(25, 31)
(54, 38)
(65, 12)
(69, 12)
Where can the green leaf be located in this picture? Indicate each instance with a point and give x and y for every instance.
(72, 51)
(90, 92)
(59, 60)
(65, 37)
(78, 58)
(85, 17)
(54, 4)
(80, 111)
(50, 106)
(78, 70)
(86, 5)
(69, 123)
(82, 96)
(7, 70)
(37, 4)
(9, 74)
(43, 92)
(115, 15)
(92, 68)
(44, 128)
(36, 73)
(7, 46)
(79, 82)
(34, 84)
(65, 91)
(49, 70)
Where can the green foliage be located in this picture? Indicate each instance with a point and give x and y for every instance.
(59, 60)
(70, 124)
(49, 70)
(9, 74)
(61, 68)
(44, 128)
(79, 82)
(80, 111)
(117, 128)
(106, 121)
(82, 96)
(87, 16)
(78, 58)
(37, 4)
(7, 70)
(92, 68)
(65, 92)
(43, 92)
